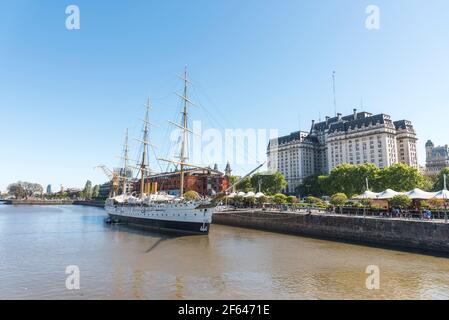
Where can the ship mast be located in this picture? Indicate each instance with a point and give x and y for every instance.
(183, 156)
(143, 165)
(125, 165)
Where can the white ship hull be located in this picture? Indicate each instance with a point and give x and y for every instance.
(175, 217)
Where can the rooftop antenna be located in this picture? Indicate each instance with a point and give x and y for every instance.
(333, 89)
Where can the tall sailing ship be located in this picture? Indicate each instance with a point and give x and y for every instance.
(158, 210)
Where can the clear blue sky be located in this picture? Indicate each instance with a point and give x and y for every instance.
(66, 97)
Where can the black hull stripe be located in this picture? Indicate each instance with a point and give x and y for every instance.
(163, 225)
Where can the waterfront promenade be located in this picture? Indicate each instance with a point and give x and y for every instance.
(427, 236)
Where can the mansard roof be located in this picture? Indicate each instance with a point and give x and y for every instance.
(441, 152)
(359, 123)
(297, 135)
(402, 124)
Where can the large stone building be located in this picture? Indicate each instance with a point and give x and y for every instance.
(357, 138)
(437, 158)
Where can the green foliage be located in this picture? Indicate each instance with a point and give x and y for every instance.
(233, 179)
(439, 180)
(313, 200)
(23, 189)
(270, 183)
(262, 200)
(238, 199)
(279, 198)
(292, 199)
(96, 191)
(245, 185)
(400, 177)
(351, 179)
(339, 199)
(400, 201)
(366, 202)
(250, 200)
(313, 185)
(191, 195)
(87, 191)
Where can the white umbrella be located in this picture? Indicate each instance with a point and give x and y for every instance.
(259, 194)
(367, 195)
(232, 195)
(241, 194)
(388, 194)
(443, 195)
(250, 194)
(418, 194)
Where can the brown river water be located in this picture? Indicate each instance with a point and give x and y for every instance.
(37, 243)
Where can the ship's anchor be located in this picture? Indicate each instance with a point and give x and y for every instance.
(203, 227)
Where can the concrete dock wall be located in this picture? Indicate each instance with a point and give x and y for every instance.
(90, 203)
(411, 234)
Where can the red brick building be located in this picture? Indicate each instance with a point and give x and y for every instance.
(205, 182)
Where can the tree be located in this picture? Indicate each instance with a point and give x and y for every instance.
(279, 198)
(262, 200)
(88, 190)
(351, 179)
(312, 185)
(245, 185)
(269, 183)
(313, 200)
(400, 201)
(367, 202)
(400, 177)
(191, 195)
(233, 179)
(292, 199)
(250, 200)
(16, 190)
(439, 180)
(96, 191)
(339, 199)
(25, 189)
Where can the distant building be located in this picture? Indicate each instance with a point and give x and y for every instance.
(437, 158)
(105, 190)
(357, 138)
(49, 189)
(228, 170)
(204, 181)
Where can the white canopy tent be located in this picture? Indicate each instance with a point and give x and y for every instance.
(367, 195)
(443, 195)
(259, 194)
(388, 194)
(418, 194)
